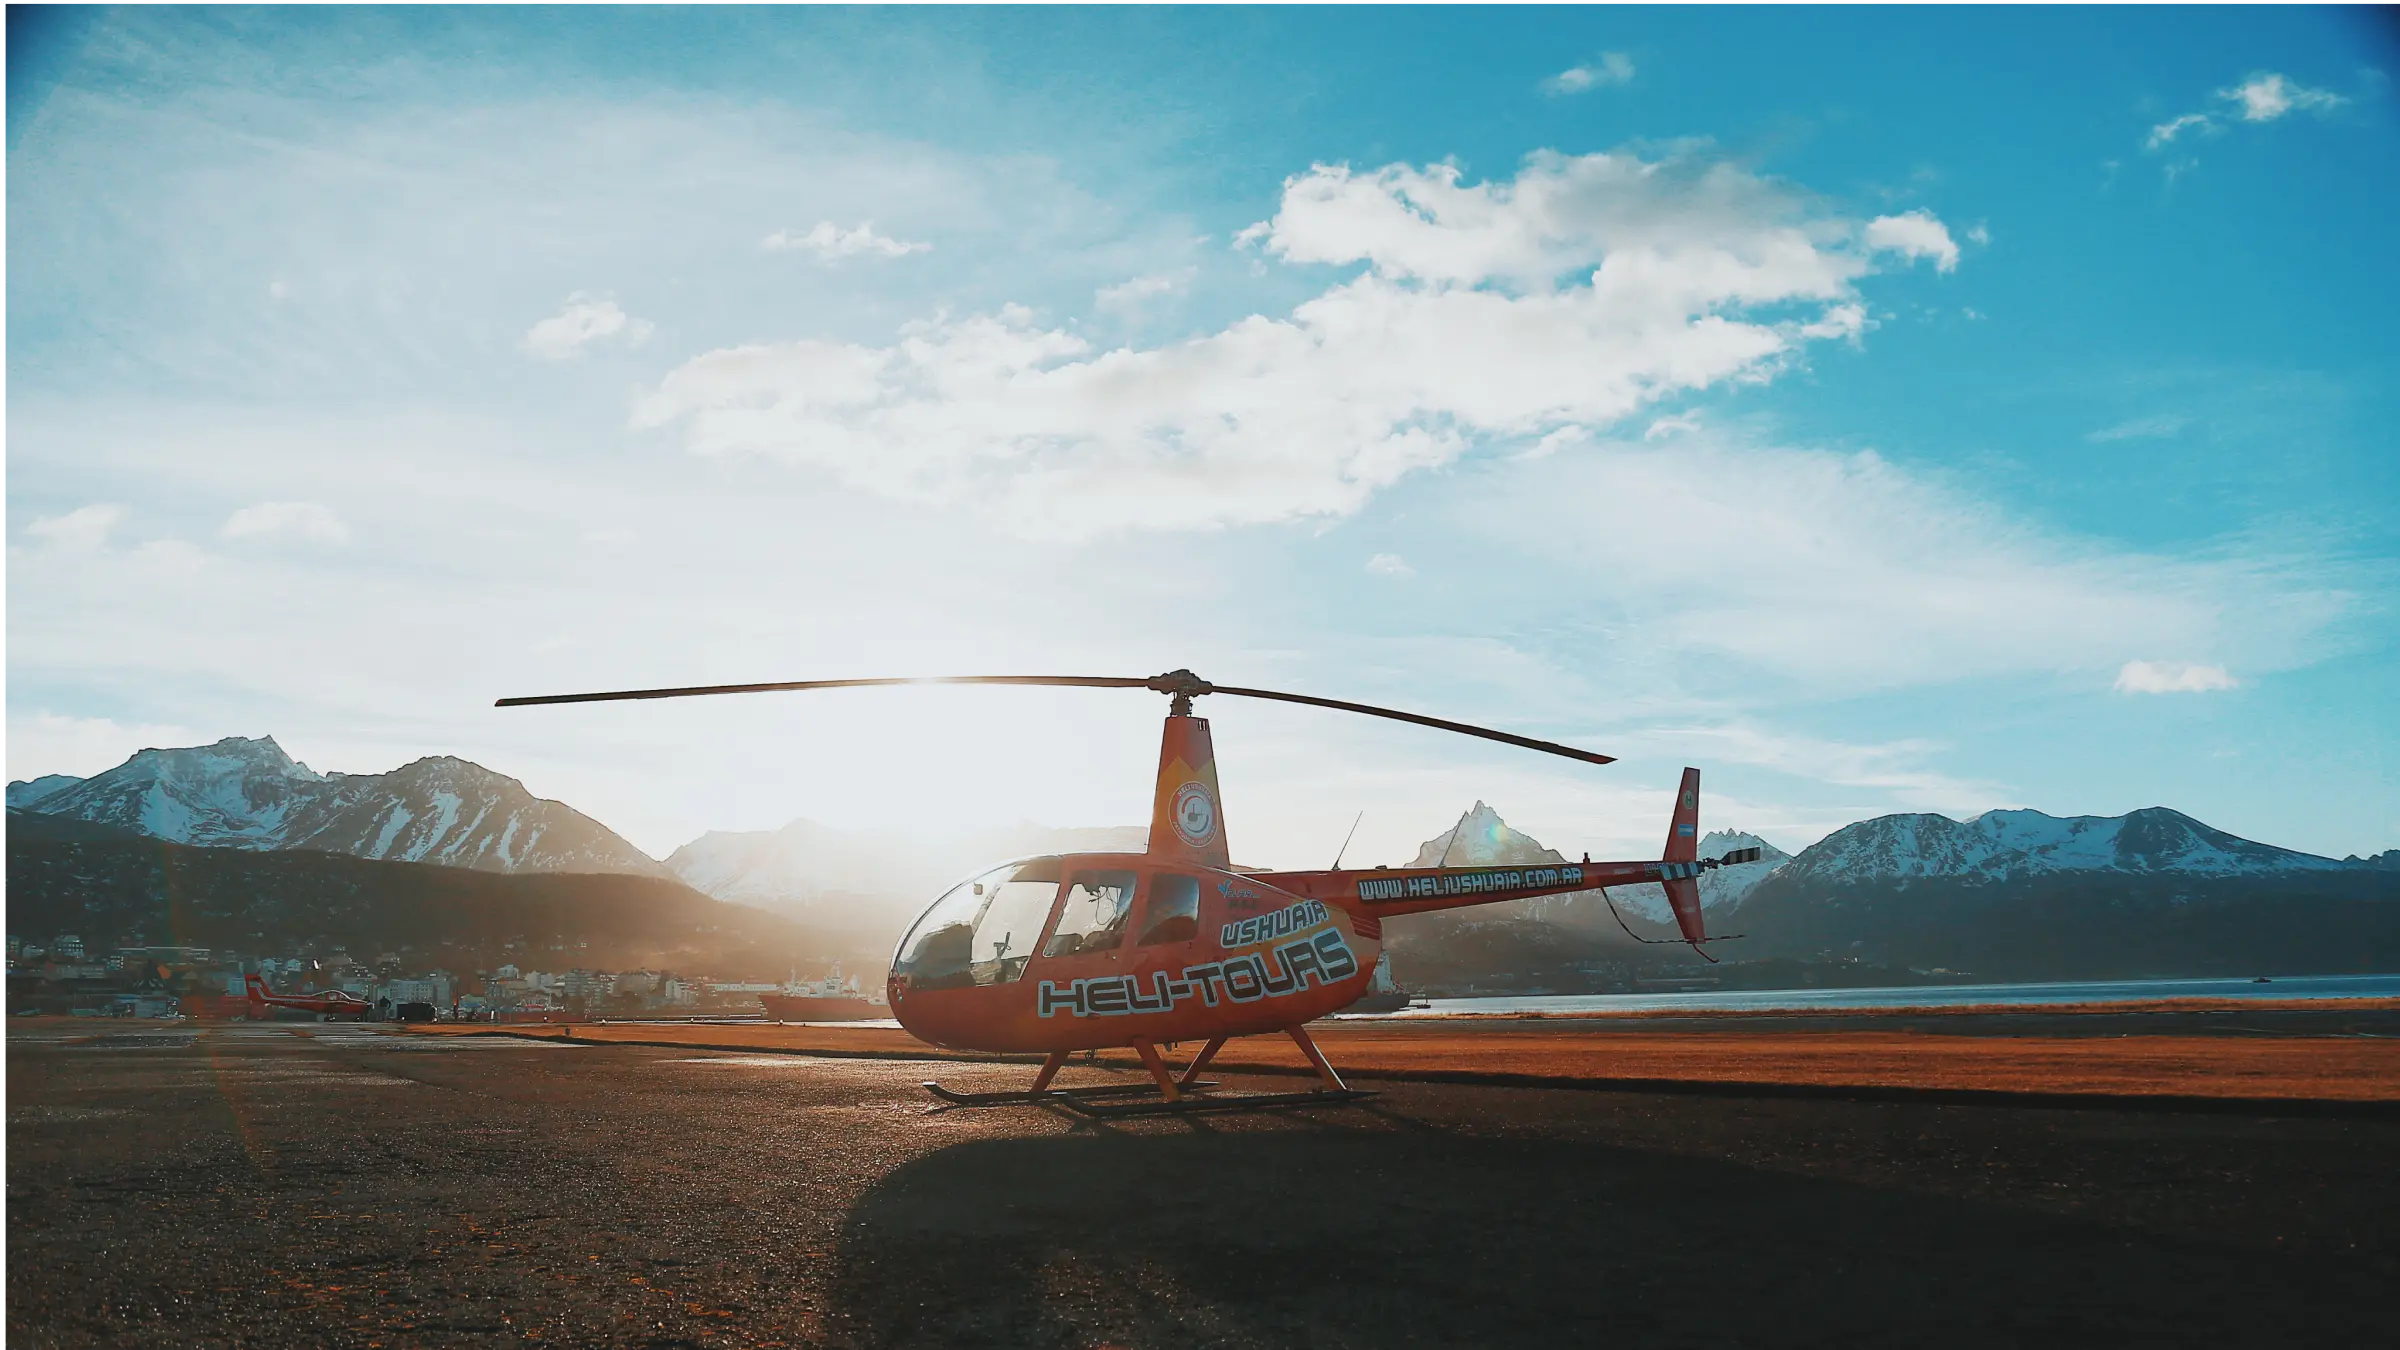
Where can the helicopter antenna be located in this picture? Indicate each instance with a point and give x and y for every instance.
(1453, 842)
(1182, 686)
(1345, 848)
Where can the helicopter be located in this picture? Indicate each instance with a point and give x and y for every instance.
(1067, 953)
(329, 1005)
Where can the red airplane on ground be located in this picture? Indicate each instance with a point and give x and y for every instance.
(1094, 950)
(329, 1005)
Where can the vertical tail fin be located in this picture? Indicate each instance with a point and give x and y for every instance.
(1187, 820)
(1683, 837)
(1682, 882)
(254, 988)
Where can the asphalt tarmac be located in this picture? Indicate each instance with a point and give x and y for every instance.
(279, 1185)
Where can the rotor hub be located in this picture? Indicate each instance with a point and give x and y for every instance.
(1183, 686)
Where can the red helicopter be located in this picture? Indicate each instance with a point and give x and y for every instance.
(329, 1005)
(1100, 950)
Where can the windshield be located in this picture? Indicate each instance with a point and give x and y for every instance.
(1011, 922)
(982, 931)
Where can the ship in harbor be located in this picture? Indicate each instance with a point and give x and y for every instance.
(831, 999)
(1382, 995)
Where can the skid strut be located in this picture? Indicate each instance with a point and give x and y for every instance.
(1191, 1076)
(1174, 1095)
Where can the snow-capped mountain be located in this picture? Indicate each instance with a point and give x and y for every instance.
(2005, 845)
(2023, 895)
(869, 874)
(1728, 885)
(1481, 839)
(243, 793)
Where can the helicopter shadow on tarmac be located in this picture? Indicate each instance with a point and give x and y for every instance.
(1375, 1230)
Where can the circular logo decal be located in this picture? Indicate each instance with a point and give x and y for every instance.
(1195, 814)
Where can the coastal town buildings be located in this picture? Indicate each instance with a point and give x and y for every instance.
(61, 975)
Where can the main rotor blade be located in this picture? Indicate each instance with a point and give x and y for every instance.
(693, 691)
(1505, 738)
(1183, 684)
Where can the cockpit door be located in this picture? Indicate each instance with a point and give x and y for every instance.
(1094, 913)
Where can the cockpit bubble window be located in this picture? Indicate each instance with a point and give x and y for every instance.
(1174, 913)
(983, 931)
(1092, 918)
(939, 952)
(1011, 922)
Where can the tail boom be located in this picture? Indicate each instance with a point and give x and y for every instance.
(1415, 890)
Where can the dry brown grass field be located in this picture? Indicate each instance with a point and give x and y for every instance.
(2165, 1063)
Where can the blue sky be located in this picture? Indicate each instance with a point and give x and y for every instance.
(1917, 410)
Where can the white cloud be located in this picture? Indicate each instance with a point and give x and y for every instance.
(1896, 767)
(2266, 96)
(1979, 234)
(288, 520)
(1129, 295)
(2165, 132)
(1845, 572)
(831, 243)
(584, 320)
(2172, 677)
(1553, 442)
(2142, 428)
(1613, 68)
(1682, 230)
(1841, 321)
(2262, 97)
(84, 528)
(1570, 296)
(1678, 425)
(1390, 565)
(1917, 234)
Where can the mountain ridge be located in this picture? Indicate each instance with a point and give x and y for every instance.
(249, 794)
(119, 888)
(2000, 845)
(2006, 895)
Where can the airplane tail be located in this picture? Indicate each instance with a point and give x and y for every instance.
(255, 989)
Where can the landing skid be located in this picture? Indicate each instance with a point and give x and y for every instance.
(1240, 1101)
(1093, 1101)
(1171, 1091)
(1059, 1095)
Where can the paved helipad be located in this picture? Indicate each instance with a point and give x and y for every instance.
(344, 1186)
